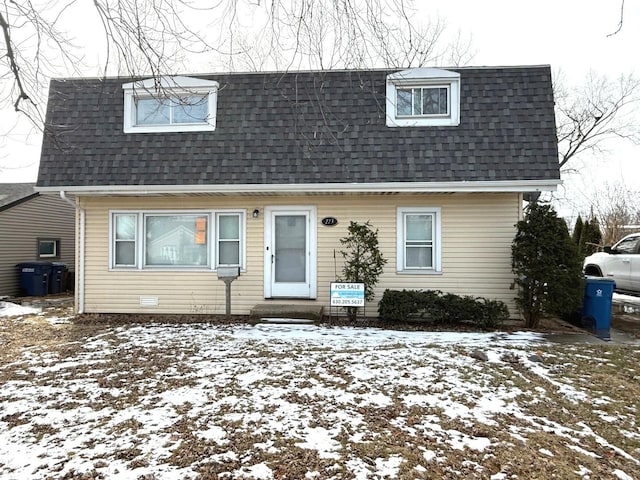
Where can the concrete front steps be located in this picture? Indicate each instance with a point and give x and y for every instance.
(286, 313)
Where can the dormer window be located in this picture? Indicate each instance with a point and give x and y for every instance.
(185, 110)
(425, 101)
(423, 97)
(173, 104)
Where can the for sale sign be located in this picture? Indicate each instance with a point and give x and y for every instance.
(347, 294)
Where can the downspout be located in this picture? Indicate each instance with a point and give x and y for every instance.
(80, 257)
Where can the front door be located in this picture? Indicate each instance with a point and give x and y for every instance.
(290, 252)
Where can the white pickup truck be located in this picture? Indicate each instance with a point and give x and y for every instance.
(620, 262)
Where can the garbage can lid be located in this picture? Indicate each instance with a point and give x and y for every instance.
(592, 279)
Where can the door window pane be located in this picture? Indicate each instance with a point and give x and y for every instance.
(290, 248)
(176, 240)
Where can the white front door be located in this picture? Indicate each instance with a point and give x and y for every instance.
(290, 252)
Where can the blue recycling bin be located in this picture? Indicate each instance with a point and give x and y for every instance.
(596, 305)
(58, 278)
(34, 278)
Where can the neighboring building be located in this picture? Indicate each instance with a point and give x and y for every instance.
(175, 178)
(33, 227)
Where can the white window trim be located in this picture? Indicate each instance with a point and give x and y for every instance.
(169, 86)
(243, 236)
(212, 236)
(437, 240)
(427, 115)
(56, 247)
(425, 78)
(112, 241)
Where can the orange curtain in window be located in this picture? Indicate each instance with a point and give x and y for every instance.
(201, 231)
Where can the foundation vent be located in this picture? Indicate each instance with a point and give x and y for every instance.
(148, 301)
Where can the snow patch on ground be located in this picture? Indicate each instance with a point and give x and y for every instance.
(8, 309)
(128, 400)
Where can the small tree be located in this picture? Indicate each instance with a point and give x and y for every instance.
(586, 236)
(577, 230)
(590, 238)
(363, 260)
(547, 265)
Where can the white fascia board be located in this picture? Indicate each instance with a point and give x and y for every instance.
(519, 186)
(171, 83)
(422, 74)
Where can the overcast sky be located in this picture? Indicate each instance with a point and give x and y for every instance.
(570, 35)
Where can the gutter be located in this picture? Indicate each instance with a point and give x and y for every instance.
(80, 249)
(512, 186)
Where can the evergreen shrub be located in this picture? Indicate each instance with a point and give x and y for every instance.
(547, 265)
(439, 308)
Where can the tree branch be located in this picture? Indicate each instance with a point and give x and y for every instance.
(13, 64)
(621, 19)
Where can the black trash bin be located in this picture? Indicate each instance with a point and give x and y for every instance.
(596, 305)
(58, 279)
(34, 278)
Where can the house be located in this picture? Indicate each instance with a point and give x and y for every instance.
(33, 228)
(175, 177)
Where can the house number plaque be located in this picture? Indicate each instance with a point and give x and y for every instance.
(329, 221)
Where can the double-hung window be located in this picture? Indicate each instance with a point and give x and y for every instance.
(171, 104)
(228, 239)
(419, 241)
(124, 240)
(167, 239)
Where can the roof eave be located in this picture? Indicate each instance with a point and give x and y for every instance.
(514, 186)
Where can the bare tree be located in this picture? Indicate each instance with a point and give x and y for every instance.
(327, 34)
(162, 37)
(139, 37)
(617, 209)
(590, 115)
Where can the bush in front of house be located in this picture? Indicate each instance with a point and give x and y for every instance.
(439, 308)
(547, 265)
(363, 260)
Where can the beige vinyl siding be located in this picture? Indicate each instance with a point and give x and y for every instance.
(43, 216)
(477, 230)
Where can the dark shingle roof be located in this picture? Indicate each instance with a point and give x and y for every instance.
(306, 127)
(14, 193)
